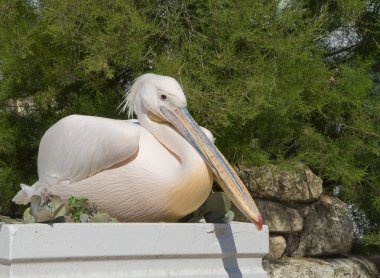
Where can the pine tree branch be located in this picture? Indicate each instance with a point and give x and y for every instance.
(369, 133)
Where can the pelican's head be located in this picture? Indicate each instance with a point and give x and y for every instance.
(150, 92)
(163, 100)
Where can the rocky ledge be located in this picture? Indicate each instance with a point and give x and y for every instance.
(304, 225)
(339, 267)
(301, 221)
(271, 182)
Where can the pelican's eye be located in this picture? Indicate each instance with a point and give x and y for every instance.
(163, 97)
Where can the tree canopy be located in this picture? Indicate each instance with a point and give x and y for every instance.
(278, 81)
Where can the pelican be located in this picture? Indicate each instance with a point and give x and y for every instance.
(159, 167)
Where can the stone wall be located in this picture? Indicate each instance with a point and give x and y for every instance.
(303, 223)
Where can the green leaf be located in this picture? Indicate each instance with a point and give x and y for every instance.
(77, 207)
(101, 217)
(217, 202)
(27, 217)
(59, 207)
(42, 213)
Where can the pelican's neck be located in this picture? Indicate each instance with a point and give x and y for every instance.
(172, 140)
(193, 180)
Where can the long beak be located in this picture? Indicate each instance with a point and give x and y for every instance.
(224, 173)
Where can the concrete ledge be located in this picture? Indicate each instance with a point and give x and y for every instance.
(132, 250)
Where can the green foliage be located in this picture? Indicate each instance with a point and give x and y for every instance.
(373, 239)
(52, 209)
(216, 209)
(78, 207)
(63, 57)
(261, 75)
(101, 217)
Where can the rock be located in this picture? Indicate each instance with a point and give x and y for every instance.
(316, 268)
(277, 247)
(328, 230)
(270, 182)
(278, 217)
(297, 268)
(375, 258)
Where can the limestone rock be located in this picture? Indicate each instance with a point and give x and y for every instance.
(375, 258)
(328, 230)
(270, 182)
(277, 247)
(317, 268)
(278, 217)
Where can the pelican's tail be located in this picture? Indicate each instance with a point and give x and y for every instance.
(25, 194)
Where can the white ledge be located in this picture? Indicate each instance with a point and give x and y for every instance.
(132, 250)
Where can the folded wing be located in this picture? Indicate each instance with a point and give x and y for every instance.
(78, 147)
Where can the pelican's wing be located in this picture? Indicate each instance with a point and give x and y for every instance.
(78, 147)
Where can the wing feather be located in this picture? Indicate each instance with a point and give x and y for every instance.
(78, 147)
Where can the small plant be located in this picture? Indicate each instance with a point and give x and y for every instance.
(216, 209)
(52, 209)
(77, 207)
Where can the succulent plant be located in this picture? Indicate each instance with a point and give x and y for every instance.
(102, 217)
(216, 209)
(53, 209)
(49, 209)
(27, 217)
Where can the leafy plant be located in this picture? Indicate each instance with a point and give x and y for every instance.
(216, 209)
(54, 209)
(45, 209)
(78, 206)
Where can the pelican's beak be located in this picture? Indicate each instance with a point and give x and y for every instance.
(224, 173)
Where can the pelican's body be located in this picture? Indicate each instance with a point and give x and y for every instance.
(159, 168)
(136, 178)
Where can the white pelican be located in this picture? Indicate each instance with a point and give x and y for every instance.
(159, 168)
